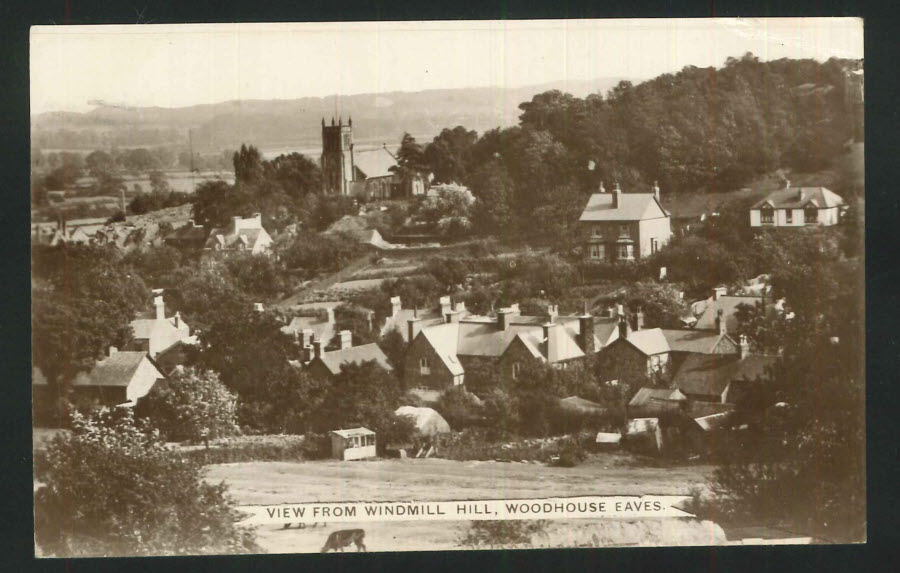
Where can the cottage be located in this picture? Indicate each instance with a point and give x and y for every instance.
(439, 354)
(353, 444)
(719, 378)
(624, 226)
(329, 364)
(797, 207)
(120, 379)
(401, 318)
(159, 333)
(245, 235)
(303, 329)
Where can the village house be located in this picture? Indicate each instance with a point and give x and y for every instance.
(303, 329)
(624, 226)
(797, 207)
(329, 364)
(365, 174)
(157, 334)
(244, 235)
(440, 353)
(724, 308)
(121, 379)
(720, 378)
(400, 317)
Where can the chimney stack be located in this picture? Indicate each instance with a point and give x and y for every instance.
(306, 338)
(330, 312)
(656, 190)
(548, 343)
(113, 350)
(552, 312)
(586, 331)
(743, 346)
(720, 322)
(719, 292)
(617, 194)
(787, 183)
(503, 316)
(623, 327)
(177, 319)
(160, 307)
(602, 189)
(346, 339)
(396, 305)
(414, 327)
(639, 319)
(317, 348)
(445, 305)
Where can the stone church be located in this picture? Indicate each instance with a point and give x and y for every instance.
(361, 173)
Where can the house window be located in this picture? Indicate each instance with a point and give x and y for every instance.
(623, 231)
(597, 232)
(810, 215)
(654, 246)
(767, 215)
(656, 363)
(626, 251)
(598, 251)
(516, 367)
(424, 368)
(789, 216)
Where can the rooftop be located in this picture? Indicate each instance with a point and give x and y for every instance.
(115, 370)
(632, 207)
(710, 374)
(799, 197)
(353, 432)
(335, 359)
(374, 162)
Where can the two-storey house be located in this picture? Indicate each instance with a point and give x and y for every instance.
(624, 226)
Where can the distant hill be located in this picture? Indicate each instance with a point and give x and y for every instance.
(377, 118)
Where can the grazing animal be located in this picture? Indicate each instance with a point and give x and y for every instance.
(303, 525)
(343, 538)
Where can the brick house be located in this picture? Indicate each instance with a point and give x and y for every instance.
(157, 334)
(624, 226)
(329, 364)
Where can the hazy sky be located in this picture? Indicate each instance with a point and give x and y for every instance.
(171, 66)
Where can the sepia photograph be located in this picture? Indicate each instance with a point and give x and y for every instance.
(447, 285)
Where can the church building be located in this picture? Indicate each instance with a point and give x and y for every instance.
(365, 174)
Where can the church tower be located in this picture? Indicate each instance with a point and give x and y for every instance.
(337, 157)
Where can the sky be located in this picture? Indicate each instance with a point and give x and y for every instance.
(181, 65)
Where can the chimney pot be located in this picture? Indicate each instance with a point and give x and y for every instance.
(743, 346)
(346, 339)
(317, 348)
(160, 308)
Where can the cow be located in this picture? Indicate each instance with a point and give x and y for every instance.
(340, 539)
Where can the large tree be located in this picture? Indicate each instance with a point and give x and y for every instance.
(112, 488)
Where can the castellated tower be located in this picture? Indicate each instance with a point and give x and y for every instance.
(337, 157)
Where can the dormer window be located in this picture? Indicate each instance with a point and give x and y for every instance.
(767, 214)
(424, 367)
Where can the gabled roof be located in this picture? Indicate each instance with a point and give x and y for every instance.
(581, 405)
(322, 329)
(651, 341)
(374, 162)
(729, 306)
(604, 330)
(710, 374)
(334, 359)
(443, 339)
(791, 198)
(632, 207)
(115, 370)
(699, 341)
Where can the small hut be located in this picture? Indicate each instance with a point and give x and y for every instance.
(353, 444)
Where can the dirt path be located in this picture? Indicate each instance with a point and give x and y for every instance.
(435, 479)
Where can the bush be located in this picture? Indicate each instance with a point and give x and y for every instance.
(278, 448)
(460, 408)
(191, 405)
(499, 534)
(111, 488)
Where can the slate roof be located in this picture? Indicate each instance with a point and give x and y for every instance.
(791, 199)
(334, 359)
(374, 162)
(604, 328)
(400, 321)
(699, 341)
(710, 374)
(650, 341)
(728, 304)
(322, 329)
(115, 370)
(632, 207)
(647, 396)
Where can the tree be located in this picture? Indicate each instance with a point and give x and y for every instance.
(249, 167)
(100, 163)
(448, 154)
(494, 190)
(447, 209)
(112, 488)
(297, 174)
(190, 405)
(394, 347)
(661, 304)
(158, 182)
(411, 161)
(361, 395)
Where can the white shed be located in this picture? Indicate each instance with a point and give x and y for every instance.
(353, 444)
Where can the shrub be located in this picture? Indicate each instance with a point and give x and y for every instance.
(111, 488)
(500, 534)
(191, 405)
(271, 448)
(460, 408)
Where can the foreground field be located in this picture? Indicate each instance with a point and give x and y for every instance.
(434, 479)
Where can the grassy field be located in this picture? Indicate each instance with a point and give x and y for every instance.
(436, 479)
